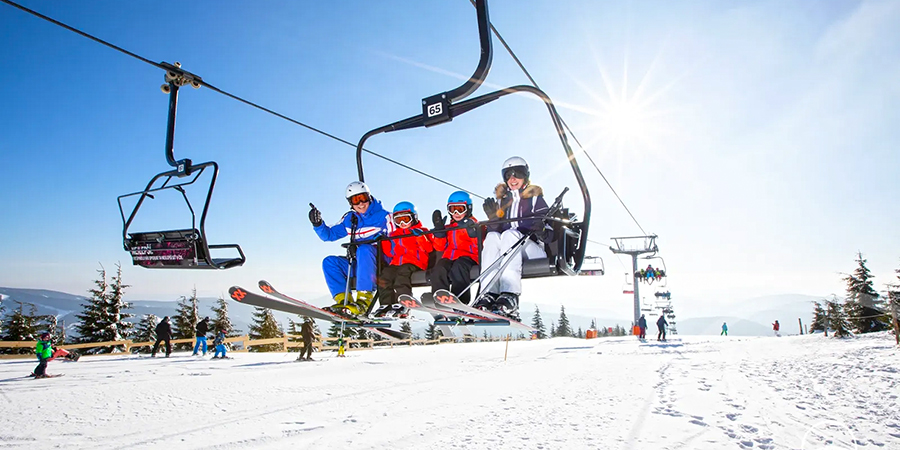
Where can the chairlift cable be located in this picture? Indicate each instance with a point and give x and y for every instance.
(235, 97)
(565, 125)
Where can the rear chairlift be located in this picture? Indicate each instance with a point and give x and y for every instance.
(628, 287)
(185, 248)
(566, 252)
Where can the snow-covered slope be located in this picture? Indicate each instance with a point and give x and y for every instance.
(694, 393)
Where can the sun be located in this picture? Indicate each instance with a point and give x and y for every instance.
(624, 120)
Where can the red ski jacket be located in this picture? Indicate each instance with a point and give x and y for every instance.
(457, 243)
(410, 250)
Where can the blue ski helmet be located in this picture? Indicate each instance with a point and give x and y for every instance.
(404, 206)
(460, 197)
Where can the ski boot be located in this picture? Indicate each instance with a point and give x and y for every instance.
(338, 307)
(397, 311)
(486, 302)
(361, 306)
(381, 311)
(508, 305)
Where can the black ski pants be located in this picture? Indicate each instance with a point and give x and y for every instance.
(394, 281)
(453, 275)
(661, 336)
(41, 368)
(168, 346)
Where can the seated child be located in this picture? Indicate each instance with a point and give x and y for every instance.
(407, 255)
(459, 243)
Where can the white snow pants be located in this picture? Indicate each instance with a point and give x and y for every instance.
(494, 245)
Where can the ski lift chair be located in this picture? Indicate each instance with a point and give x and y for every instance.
(184, 248)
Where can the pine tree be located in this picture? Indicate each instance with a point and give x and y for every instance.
(485, 334)
(406, 328)
(48, 323)
(552, 329)
(265, 326)
(93, 317)
(538, 324)
(184, 322)
(222, 321)
(864, 307)
(818, 322)
(21, 326)
(294, 329)
(118, 327)
(563, 329)
(146, 331)
(433, 333)
(837, 318)
(580, 334)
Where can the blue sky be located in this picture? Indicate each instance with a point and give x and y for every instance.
(757, 139)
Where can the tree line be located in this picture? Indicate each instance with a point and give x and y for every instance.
(863, 310)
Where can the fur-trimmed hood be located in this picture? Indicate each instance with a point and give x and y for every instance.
(532, 190)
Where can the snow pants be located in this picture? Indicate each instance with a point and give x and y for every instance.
(661, 336)
(643, 332)
(220, 349)
(307, 349)
(41, 368)
(394, 281)
(156, 346)
(201, 343)
(337, 269)
(453, 275)
(494, 245)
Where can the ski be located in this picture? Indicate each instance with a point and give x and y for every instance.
(447, 299)
(314, 311)
(416, 305)
(458, 317)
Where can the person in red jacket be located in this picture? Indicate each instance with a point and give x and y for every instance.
(458, 241)
(406, 255)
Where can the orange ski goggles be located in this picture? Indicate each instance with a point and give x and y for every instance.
(359, 198)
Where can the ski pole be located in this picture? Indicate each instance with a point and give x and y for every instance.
(350, 257)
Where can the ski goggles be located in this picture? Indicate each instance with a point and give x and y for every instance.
(356, 199)
(457, 208)
(403, 217)
(517, 172)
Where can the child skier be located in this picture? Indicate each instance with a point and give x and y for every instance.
(369, 220)
(407, 255)
(459, 243)
(219, 343)
(515, 198)
(44, 351)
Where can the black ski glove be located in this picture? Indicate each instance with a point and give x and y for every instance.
(471, 227)
(315, 217)
(490, 208)
(438, 220)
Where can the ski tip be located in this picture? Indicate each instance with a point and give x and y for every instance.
(237, 293)
(266, 287)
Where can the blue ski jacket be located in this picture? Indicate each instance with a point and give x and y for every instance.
(370, 226)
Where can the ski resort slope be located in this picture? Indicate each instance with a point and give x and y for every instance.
(799, 392)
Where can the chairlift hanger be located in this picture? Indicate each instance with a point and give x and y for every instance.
(179, 248)
(444, 107)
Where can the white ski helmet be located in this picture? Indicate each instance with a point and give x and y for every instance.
(517, 165)
(356, 188)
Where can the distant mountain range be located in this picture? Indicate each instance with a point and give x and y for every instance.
(752, 317)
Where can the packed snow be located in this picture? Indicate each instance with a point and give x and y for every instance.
(792, 392)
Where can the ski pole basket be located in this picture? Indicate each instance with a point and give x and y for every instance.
(180, 248)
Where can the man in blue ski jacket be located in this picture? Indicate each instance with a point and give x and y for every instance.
(369, 220)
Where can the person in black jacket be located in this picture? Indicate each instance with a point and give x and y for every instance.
(642, 325)
(661, 325)
(163, 333)
(202, 329)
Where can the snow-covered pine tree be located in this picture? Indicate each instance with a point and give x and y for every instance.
(265, 326)
(864, 308)
(564, 329)
(433, 333)
(221, 321)
(552, 329)
(335, 331)
(406, 328)
(538, 324)
(580, 333)
(117, 328)
(837, 318)
(184, 322)
(485, 335)
(362, 334)
(294, 329)
(21, 326)
(49, 324)
(94, 318)
(146, 331)
(818, 321)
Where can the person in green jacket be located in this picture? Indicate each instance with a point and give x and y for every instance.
(44, 351)
(724, 329)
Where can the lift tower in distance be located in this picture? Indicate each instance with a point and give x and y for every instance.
(635, 246)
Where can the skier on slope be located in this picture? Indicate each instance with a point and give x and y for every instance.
(776, 327)
(202, 329)
(44, 351)
(407, 255)
(724, 329)
(642, 326)
(661, 326)
(515, 198)
(370, 223)
(219, 344)
(307, 332)
(458, 242)
(163, 333)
